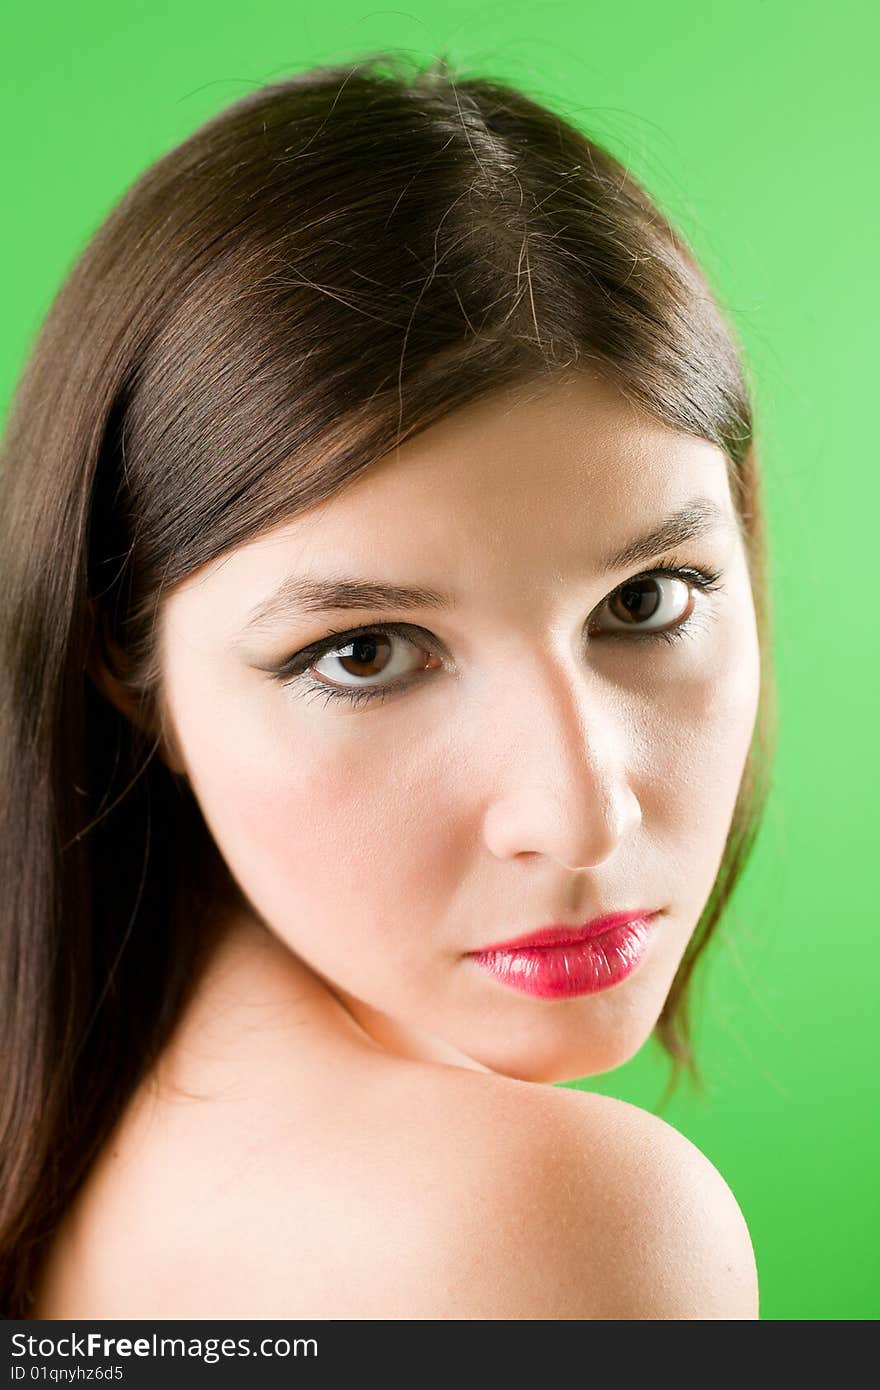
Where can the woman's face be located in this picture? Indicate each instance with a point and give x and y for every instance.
(528, 754)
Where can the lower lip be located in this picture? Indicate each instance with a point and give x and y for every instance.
(578, 967)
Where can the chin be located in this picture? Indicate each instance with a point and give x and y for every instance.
(565, 1060)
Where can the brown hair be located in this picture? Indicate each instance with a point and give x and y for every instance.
(316, 274)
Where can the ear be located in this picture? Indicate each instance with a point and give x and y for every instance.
(107, 666)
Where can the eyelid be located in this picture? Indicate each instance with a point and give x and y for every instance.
(306, 656)
(702, 578)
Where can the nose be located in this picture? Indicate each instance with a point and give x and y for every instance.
(561, 785)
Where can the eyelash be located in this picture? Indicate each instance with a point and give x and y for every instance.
(293, 669)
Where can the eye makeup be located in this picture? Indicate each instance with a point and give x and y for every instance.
(294, 670)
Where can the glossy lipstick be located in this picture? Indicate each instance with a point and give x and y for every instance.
(559, 961)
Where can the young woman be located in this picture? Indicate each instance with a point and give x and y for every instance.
(386, 717)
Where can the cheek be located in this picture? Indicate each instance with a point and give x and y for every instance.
(696, 760)
(329, 830)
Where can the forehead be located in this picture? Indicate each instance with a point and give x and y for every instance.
(538, 474)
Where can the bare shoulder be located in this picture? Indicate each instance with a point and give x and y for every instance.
(417, 1192)
(464, 1195)
(644, 1214)
(562, 1204)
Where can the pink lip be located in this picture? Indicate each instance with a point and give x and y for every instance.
(560, 935)
(558, 962)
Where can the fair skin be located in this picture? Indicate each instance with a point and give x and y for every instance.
(533, 770)
(528, 777)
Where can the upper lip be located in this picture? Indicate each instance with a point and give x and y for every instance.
(561, 934)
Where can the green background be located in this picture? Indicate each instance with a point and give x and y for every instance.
(755, 126)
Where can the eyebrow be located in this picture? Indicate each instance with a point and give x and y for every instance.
(298, 594)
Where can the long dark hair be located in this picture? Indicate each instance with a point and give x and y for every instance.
(316, 274)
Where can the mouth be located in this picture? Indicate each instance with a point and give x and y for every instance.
(559, 962)
(561, 934)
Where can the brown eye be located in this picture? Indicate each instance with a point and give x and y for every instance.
(365, 656)
(379, 657)
(649, 604)
(371, 663)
